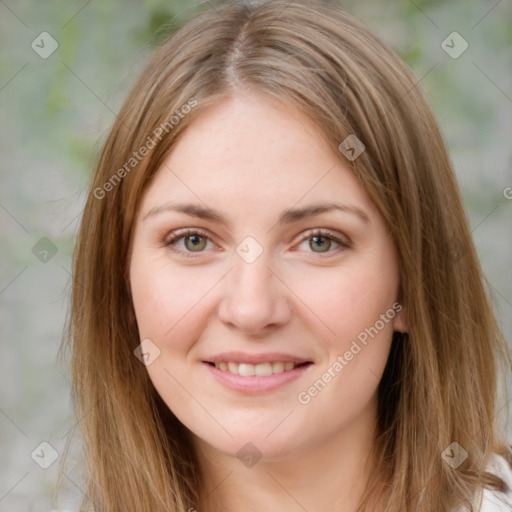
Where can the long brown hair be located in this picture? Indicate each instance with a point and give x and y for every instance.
(440, 383)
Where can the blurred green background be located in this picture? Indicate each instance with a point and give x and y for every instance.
(55, 112)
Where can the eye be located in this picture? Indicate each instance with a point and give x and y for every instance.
(194, 241)
(325, 241)
(186, 242)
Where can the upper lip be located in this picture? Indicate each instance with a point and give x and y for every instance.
(243, 357)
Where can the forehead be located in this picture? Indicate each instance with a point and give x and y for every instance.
(248, 151)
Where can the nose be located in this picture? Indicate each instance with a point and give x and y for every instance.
(254, 300)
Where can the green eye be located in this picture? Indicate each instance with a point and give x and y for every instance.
(188, 242)
(319, 242)
(195, 243)
(322, 241)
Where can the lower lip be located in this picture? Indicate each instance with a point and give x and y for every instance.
(254, 383)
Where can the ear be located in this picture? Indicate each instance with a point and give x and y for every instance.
(400, 322)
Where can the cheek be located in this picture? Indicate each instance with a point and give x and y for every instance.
(346, 301)
(356, 302)
(168, 301)
(351, 305)
(172, 308)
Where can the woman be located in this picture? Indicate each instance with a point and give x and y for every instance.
(268, 311)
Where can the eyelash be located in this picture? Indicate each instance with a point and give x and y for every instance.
(317, 232)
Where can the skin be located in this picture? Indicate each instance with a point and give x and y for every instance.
(251, 158)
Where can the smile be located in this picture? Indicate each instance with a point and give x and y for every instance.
(254, 379)
(261, 369)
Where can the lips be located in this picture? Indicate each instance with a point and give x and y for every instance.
(256, 373)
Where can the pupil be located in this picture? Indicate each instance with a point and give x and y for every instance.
(322, 241)
(196, 242)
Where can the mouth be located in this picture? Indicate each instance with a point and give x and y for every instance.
(254, 374)
(264, 369)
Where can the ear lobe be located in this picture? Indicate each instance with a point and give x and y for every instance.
(400, 322)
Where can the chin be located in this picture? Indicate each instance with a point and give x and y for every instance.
(251, 447)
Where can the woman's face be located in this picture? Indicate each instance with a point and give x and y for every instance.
(255, 248)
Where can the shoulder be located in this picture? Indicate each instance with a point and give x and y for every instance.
(495, 501)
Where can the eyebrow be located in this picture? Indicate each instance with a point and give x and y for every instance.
(287, 217)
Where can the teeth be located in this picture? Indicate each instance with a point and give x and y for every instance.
(246, 370)
(261, 370)
(277, 367)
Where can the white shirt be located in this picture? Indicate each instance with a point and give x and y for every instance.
(495, 501)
